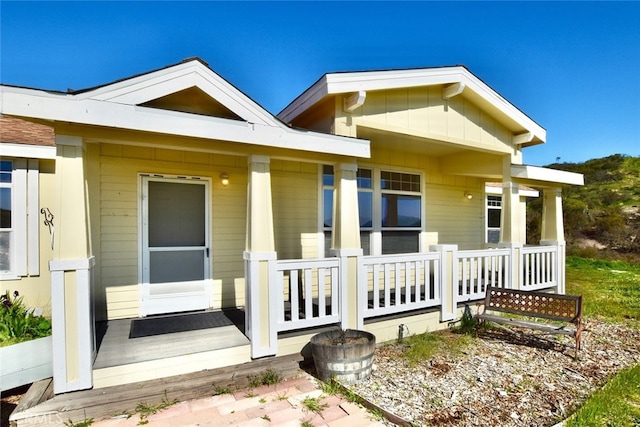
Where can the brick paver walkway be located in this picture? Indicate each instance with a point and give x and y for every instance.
(277, 405)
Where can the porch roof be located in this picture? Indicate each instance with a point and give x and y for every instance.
(544, 177)
(153, 102)
(457, 80)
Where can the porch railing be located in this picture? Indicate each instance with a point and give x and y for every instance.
(539, 267)
(309, 291)
(395, 283)
(475, 270)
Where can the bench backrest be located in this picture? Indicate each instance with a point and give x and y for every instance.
(567, 308)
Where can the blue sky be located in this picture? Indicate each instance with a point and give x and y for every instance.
(573, 67)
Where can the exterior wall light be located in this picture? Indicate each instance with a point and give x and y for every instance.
(468, 195)
(224, 179)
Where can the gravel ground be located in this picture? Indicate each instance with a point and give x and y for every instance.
(501, 379)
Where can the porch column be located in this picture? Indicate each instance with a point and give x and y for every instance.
(259, 254)
(345, 241)
(71, 272)
(511, 221)
(552, 233)
(552, 223)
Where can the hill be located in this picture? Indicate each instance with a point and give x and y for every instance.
(601, 218)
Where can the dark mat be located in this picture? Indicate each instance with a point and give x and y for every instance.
(185, 322)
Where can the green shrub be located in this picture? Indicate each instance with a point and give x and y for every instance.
(18, 323)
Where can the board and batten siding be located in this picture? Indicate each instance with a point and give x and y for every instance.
(422, 111)
(120, 167)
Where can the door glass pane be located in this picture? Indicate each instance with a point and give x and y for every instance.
(176, 266)
(176, 214)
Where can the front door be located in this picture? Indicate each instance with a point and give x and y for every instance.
(175, 245)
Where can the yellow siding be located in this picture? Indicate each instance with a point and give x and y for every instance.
(295, 208)
(422, 111)
(36, 290)
(119, 229)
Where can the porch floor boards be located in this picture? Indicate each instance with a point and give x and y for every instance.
(116, 348)
(108, 402)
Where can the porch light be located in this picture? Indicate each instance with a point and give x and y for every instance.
(224, 179)
(468, 195)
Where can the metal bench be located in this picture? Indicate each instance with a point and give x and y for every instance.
(566, 309)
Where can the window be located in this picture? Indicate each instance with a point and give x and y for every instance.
(389, 204)
(19, 218)
(6, 213)
(365, 206)
(494, 210)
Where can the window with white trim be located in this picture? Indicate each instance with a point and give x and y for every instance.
(494, 211)
(6, 217)
(389, 204)
(19, 256)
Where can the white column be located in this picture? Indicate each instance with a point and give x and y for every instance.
(259, 256)
(552, 232)
(552, 223)
(71, 271)
(345, 241)
(511, 221)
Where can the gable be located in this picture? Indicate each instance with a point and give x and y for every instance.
(192, 100)
(423, 113)
(452, 84)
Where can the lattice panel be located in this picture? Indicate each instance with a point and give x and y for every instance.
(551, 306)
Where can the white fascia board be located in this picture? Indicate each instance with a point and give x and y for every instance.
(523, 193)
(28, 151)
(546, 175)
(148, 87)
(21, 103)
(396, 79)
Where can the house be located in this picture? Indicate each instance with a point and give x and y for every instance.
(362, 204)
(27, 166)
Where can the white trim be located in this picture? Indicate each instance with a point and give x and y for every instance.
(33, 223)
(189, 300)
(28, 151)
(336, 83)
(58, 332)
(71, 264)
(150, 86)
(106, 114)
(19, 217)
(545, 175)
(523, 193)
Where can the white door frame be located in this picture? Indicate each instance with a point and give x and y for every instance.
(199, 296)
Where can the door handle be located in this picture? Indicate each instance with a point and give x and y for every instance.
(207, 249)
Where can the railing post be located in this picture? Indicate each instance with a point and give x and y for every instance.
(72, 324)
(514, 275)
(351, 312)
(261, 323)
(448, 280)
(560, 264)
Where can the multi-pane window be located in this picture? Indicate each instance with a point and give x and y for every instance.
(365, 206)
(6, 213)
(494, 209)
(401, 211)
(389, 203)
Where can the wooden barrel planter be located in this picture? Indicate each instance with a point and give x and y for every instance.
(346, 355)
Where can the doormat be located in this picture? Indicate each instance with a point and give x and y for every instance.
(184, 322)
